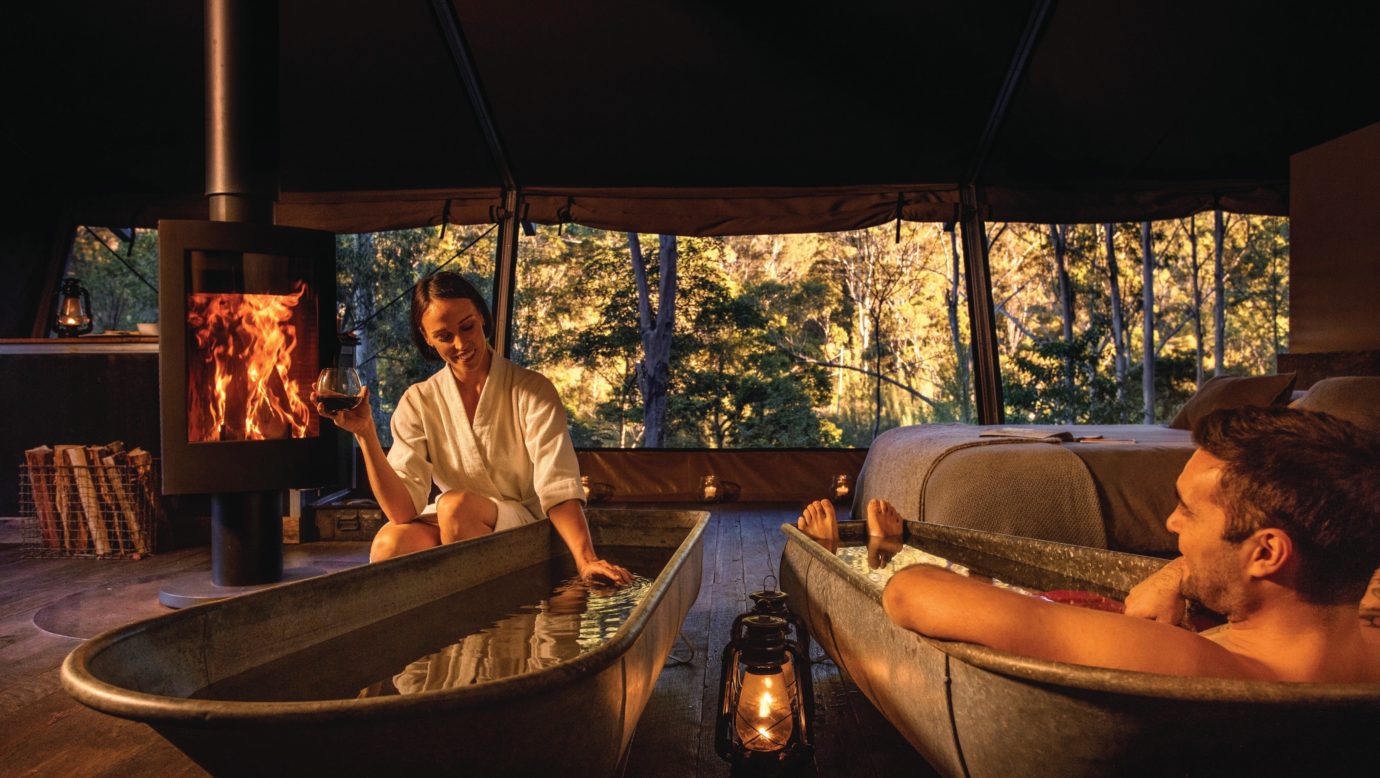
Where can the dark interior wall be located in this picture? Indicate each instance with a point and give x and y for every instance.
(1334, 234)
(87, 399)
(33, 252)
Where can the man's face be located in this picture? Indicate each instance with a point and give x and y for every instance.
(1212, 566)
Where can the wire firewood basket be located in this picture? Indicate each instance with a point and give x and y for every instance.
(89, 501)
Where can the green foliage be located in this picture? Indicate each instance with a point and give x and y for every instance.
(372, 272)
(779, 338)
(1037, 390)
(119, 300)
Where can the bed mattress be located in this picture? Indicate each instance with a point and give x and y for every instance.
(1115, 493)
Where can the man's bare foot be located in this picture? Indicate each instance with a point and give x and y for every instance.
(819, 521)
(883, 520)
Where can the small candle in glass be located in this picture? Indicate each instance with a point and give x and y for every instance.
(842, 488)
(711, 487)
(584, 484)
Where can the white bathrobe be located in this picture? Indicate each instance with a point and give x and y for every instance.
(517, 452)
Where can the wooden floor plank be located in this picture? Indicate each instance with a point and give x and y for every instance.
(660, 744)
(729, 595)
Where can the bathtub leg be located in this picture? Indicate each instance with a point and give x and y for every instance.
(675, 660)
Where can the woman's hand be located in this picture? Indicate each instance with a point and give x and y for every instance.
(359, 420)
(1160, 597)
(606, 570)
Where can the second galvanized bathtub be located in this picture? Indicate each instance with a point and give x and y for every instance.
(574, 718)
(970, 710)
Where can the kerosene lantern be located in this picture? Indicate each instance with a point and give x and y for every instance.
(73, 307)
(770, 601)
(763, 719)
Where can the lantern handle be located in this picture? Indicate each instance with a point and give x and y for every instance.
(774, 580)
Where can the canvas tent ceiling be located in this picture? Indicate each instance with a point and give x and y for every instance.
(707, 117)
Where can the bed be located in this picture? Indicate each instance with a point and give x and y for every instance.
(1113, 493)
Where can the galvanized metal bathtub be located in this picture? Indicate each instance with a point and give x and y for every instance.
(970, 710)
(577, 717)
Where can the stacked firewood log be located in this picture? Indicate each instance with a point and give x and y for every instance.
(91, 500)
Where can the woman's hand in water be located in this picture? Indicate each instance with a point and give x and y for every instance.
(606, 570)
(358, 420)
(1160, 597)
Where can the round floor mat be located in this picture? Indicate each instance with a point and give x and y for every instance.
(86, 614)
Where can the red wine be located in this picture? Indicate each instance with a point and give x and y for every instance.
(334, 403)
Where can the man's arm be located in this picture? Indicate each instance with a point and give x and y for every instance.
(944, 605)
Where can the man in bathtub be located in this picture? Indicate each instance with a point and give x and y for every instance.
(1279, 530)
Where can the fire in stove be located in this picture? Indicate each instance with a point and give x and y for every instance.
(246, 379)
(257, 309)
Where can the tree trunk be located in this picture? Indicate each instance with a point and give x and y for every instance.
(1147, 381)
(1118, 327)
(363, 304)
(1197, 296)
(1058, 237)
(961, 373)
(1274, 307)
(877, 368)
(1219, 344)
(654, 371)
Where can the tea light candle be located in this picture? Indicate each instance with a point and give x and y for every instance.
(842, 488)
(711, 487)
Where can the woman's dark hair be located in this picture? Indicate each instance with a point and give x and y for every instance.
(445, 286)
(1313, 475)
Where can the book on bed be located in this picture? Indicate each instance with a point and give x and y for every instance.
(1047, 435)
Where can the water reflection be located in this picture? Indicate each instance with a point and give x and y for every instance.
(882, 559)
(577, 617)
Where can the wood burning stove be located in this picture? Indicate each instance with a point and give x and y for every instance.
(248, 320)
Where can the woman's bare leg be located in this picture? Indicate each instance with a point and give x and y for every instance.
(398, 539)
(465, 515)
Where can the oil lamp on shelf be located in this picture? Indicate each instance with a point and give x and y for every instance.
(73, 306)
(763, 718)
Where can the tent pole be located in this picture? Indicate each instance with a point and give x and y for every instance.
(981, 319)
(505, 257)
(981, 313)
(505, 273)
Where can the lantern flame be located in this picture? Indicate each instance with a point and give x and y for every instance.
(240, 384)
(765, 715)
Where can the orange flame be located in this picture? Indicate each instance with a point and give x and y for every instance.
(239, 383)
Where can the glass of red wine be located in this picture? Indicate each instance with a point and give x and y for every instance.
(338, 389)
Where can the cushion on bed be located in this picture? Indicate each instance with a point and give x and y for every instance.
(1353, 398)
(1233, 392)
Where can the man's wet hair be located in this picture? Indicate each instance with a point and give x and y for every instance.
(1310, 474)
(445, 286)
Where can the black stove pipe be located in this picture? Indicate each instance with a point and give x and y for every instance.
(242, 109)
(242, 185)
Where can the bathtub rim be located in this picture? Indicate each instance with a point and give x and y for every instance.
(1098, 679)
(148, 708)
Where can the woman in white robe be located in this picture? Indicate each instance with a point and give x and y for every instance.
(492, 437)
